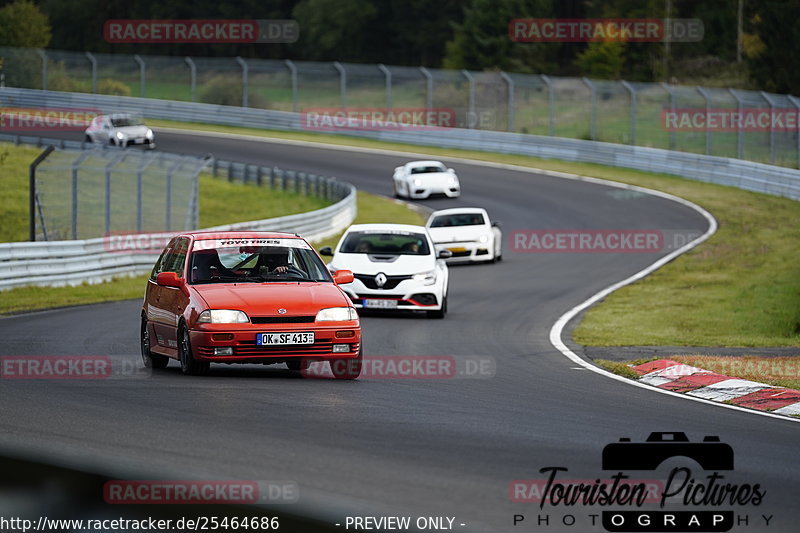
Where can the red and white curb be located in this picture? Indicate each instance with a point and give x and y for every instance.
(692, 381)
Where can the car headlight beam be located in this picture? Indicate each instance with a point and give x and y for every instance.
(223, 316)
(336, 314)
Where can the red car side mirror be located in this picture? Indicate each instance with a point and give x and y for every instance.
(169, 279)
(341, 277)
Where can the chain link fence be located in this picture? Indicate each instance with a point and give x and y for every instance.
(100, 192)
(610, 111)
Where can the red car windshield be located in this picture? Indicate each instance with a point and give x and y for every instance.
(217, 261)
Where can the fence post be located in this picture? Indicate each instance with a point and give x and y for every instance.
(109, 166)
(593, 109)
(293, 75)
(32, 192)
(707, 97)
(192, 75)
(388, 76)
(667, 88)
(510, 84)
(796, 102)
(168, 214)
(771, 105)
(74, 193)
(632, 92)
(740, 133)
(140, 61)
(342, 83)
(245, 80)
(551, 105)
(429, 80)
(43, 56)
(471, 118)
(93, 61)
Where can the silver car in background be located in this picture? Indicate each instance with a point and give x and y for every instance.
(120, 129)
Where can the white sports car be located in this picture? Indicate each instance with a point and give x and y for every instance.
(421, 179)
(468, 233)
(121, 129)
(395, 266)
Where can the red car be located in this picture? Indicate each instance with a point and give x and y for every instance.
(248, 297)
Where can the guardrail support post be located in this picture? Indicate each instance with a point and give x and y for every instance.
(245, 81)
(32, 192)
(429, 82)
(510, 100)
(93, 62)
(632, 93)
(551, 105)
(293, 75)
(109, 167)
(471, 118)
(140, 62)
(342, 83)
(593, 108)
(192, 76)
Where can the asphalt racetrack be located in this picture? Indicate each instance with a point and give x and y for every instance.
(422, 447)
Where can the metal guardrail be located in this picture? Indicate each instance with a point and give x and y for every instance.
(739, 173)
(58, 263)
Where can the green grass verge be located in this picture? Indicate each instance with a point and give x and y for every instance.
(223, 202)
(35, 298)
(777, 371)
(14, 163)
(370, 209)
(740, 288)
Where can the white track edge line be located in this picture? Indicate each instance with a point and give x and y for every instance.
(557, 329)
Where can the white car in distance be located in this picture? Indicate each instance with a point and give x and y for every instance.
(418, 180)
(468, 233)
(120, 129)
(395, 267)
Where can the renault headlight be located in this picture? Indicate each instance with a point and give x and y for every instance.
(222, 316)
(427, 278)
(336, 314)
(120, 135)
(483, 238)
(149, 133)
(417, 182)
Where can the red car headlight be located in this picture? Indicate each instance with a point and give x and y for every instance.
(222, 316)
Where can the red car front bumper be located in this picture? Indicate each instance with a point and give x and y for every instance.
(207, 339)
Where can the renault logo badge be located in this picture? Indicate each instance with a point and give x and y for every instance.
(281, 311)
(380, 280)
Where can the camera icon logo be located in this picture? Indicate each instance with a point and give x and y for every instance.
(710, 454)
